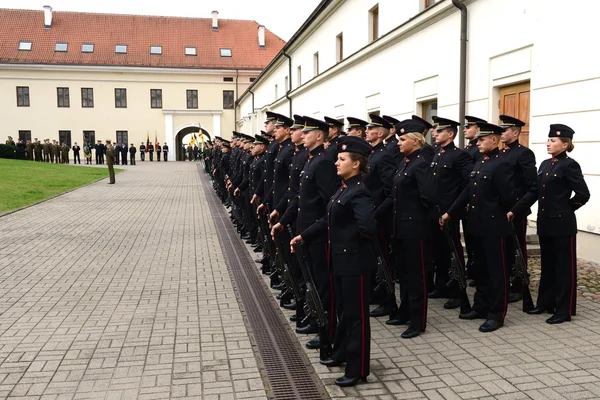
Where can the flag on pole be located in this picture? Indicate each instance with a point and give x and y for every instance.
(147, 139)
(155, 140)
(193, 140)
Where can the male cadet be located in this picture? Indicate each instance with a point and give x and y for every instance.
(110, 162)
(427, 150)
(117, 148)
(150, 150)
(20, 149)
(158, 151)
(190, 149)
(10, 141)
(267, 179)
(335, 132)
(523, 161)
(470, 130)
(56, 151)
(165, 152)
(488, 197)
(65, 153)
(29, 147)
(76, 157)
(379, 183)
(98, 151)
(132, 151)
(391, 142)
(124, 152)
(143, 152)
(242, 172)
(37, 149)
(318, 183)
(46, 150)
(356, 127)
(196, 152)
(450, 171)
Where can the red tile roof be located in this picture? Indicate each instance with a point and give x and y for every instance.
(138, 33)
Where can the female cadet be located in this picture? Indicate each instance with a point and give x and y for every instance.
(350, 223)
(558, 178)
(411, 199)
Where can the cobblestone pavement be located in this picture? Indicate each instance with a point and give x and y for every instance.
(121, 292)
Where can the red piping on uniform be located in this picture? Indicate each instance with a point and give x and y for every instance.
(504, 269)
(572, 279)
(424, 286)
(362, 328)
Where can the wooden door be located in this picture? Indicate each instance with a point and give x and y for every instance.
(514, 101)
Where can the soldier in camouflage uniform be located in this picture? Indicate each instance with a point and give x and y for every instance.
(110, 162)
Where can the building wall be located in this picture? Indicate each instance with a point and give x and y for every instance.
(510, 41)
(44, 118)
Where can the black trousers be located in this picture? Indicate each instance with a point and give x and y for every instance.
(383, 238)
(353, 335)
(143, 155)
(322, 276)
(492, 255)
(413, 280)
(123, 159)
(132, 159)
(151, 155)
(165, 155)
(516, 285)
(101, 158)
(558, 283)
(117, 158)
(76, 158)
(441, 253)
(158, 156)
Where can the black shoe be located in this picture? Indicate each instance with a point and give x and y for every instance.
(331, 362)
(294, 318)
(344, 381)
(290, 306)
(308, 329)
(261, 260)
(250, 241)
(473, 315)
(451, 304)
(514, 297)
(398, 321)
(314, 343)
(380, 311)
(410, 333)
(540, 310)
(259, 249)
(490, 325)
(558, 319)
(437, 294)
(277, 286)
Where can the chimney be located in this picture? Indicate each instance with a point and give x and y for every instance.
(47, 17)
(215, 20)
(261, 37)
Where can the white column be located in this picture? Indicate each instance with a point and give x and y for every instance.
(216, 126)
(169, 136)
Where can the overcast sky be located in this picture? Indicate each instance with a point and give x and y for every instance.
(277, 15)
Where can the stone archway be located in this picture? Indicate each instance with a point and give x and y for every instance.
(182, 133)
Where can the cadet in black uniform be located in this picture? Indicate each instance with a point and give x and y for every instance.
(150, 150)
(350, 226)
(166, 151)
(378, 181)
(356, 127)
(489, 196)
(411, 200)
(450, 170)
(124, 151)
(558, 179)
(523, 161)
(267, 179)
(318, 183)
(142, 152)
(132, 151)
(391, 142)
(335, 133)
(427, 150)
(158, 151)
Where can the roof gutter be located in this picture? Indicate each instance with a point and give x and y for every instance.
(289, 88)
(463, 65)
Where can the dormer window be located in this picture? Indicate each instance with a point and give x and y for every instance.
(61, 47)
(87, 48)
(25, 45)
(121, 49)
(225, 52)
(156, 50)
(190, 51)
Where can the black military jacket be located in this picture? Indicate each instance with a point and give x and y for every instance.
(318, 182)
(488, 197)
(243, 172)
(142, 148)
(165, 148)
(224, 164)
(473, 151)
(558, 178)
(132, 150)
(378, 181)
(151, 148)
(350, 228)
(523, 161)
(256, 171)
(298, 161)
(267, 179)
(391, 145)
(281, 173)
(450, 172)
(411, 199)
(427, 152)
(158, 148)
(332, 149)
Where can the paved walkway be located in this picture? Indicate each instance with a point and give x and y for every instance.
(122, 291)
(111, 292)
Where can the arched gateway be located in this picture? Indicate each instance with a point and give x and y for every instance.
(180, 138)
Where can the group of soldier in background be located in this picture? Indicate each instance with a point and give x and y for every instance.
(46, 151)
(283, 182)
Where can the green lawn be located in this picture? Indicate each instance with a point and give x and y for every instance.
(26, 182)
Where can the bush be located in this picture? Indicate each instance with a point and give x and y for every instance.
(7, 151)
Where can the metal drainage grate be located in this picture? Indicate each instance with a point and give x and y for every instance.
(282, 361)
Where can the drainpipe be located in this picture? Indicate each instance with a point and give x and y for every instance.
(289, 89)
(463, 66)
(252, 93)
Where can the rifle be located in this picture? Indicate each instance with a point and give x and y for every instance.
(314, 307)
(457, 271)
(265, 239)
(520, 270)
(386, 277)
(288, 276)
